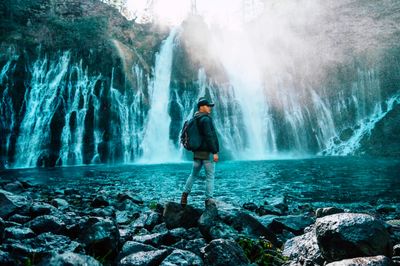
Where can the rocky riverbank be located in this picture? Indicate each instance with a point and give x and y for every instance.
(47, 226)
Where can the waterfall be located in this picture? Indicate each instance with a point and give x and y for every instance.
(42, 101)
(157, 145)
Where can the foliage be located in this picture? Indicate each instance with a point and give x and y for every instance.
(261, 251)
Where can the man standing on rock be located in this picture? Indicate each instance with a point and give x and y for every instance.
(209, 145)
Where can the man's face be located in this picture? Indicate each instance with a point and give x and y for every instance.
(205, 108)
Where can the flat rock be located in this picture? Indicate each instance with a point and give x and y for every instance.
(41, 208)
(70, 258)
(175, 215)
(10, 202)
(321, 212)
(144, 258)
(131, 247)
(46, 223)
(224, 252)
(295, 223)
(303, 247)
(363, 261)
(18, 232)
(182, 258)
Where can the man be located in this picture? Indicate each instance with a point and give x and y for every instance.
(209, 145)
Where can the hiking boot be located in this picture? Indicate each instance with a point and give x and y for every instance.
(184, 199)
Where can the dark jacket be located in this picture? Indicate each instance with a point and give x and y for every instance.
(208, 133)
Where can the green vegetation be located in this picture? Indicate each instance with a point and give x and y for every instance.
(261, 251)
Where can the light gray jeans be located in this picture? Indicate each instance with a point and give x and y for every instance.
(209, 167)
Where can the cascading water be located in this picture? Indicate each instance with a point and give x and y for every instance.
(157, 146)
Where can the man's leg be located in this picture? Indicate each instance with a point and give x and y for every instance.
(194, 174)
(210, 170)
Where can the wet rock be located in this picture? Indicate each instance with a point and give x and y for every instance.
(250, 206)
(70, 191)
(208, 219)
(269, 222)
(248, 225)
(129, 196)
(384, 209)
(46, 223)
(294, 223)
(268, 210)
(14, 187)
(41, 246)
(144, 258)
(195, 245)
(126, 233)
(176, 234)
(224, 252)
(61, 204)
(100, 237)
(140, 221)
(350, 235)
(153, 218)
(2, 227)
(124, 217)
(151, 239)
(365, 261)
(70, 258)
(99, 201)
(10, 203)
(175, 216)
(321, 212)
(182, 258)
(106, 212)
(41, 208)
(131, 247)
(396, 250)
(18, 232)
(5, 259)
(160, 228)
(221, 230)
(304, 247)
(21, 219)
(280, 203)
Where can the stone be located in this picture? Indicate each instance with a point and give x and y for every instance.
(46, 223)
(14, 187)
(195, 245)
(70, 258)
(41, 208)
(5, 259)
(99, 201)
(250, 206)
(396, 250)
(363, 261)
(222, 230)
(128, 195)
(303, 247)
(321, 212)
(144, 258)
(106, 212)
(224, 252)
(248, 225)
(100, 237)
(295, 223)
(10, 203)
(385, 208)
(70, 191)
(182, 258)
(18, 232)
(151, 239)
(61, 204)
(160, 228)
(153, 218)
(131, 247)
(349, 235)
(124, 217)
(21, 219)
(268, 210)
(176, 216)
(208, 219)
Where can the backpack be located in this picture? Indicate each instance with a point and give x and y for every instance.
(190, 135)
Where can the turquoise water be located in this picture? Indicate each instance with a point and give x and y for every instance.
(320, 181)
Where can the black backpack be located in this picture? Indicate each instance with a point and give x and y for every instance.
(190, 135)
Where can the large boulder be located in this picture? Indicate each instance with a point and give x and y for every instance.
(303, 248)
(177, 216)
(70, 258)
(10, 203)
(221, 252)
(363, 261)
(18, 232)
(131, 247)
(350, 235)
(182, 258)
(46, 223)
(144, 258)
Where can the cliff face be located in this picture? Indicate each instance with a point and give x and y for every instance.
(68, 48)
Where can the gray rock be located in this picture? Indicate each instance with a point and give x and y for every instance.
(14, 187)
(105, 212)
(396, 250)
(2, 227)
(350, 235)
(268, 210)
(195, 246)
(5, 259)
(99, 201)
(160, 228)
(100, 236)
(129, 196)
(294, 223)
(321, 212)
(18, 232)
(153, 218)
(251, 206)
(123, 217)
(140, 221)
(221, 230)
(70, 191)
(10, 203)
(182, 258)
(151, 239)
(176, 216)
(208, 219)
(224, 252)
(61, 204)
(70, 258)
(363, 261)
(144, 258)
(41, 208)
(303, 247)
(131, 247)
(21, 219)
(385, 208)
(46, 223)
(248, 225)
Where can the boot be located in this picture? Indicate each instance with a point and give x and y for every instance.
(184, 199)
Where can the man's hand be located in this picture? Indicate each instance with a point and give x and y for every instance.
(216, 157)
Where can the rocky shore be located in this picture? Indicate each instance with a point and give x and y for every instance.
(40, 225)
